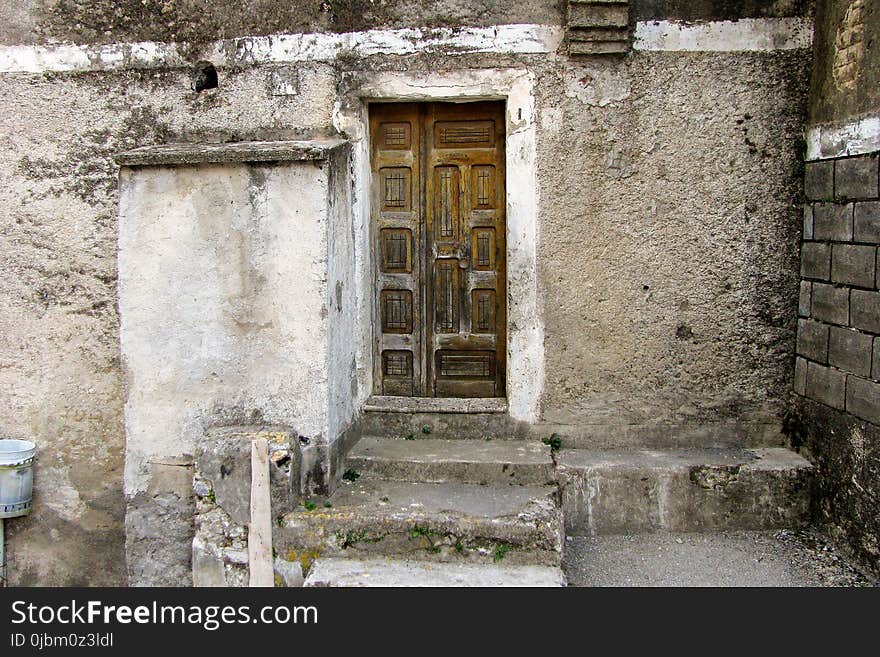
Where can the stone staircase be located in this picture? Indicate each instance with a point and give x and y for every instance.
(417, 509)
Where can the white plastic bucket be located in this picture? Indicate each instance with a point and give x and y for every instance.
(16, 477)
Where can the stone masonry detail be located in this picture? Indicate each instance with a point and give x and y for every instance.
(838, 337)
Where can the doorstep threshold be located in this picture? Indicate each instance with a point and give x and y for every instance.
(388, 404)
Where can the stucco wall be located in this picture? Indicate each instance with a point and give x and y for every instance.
(221, 292)
(227, 307)
(61, 381)
(669, 191)
(667, 246)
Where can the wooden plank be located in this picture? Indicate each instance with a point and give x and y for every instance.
(262, 572)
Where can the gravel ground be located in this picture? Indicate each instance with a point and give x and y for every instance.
(767, 558)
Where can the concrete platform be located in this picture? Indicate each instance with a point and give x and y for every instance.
(428, 521)
(740, 558)
(467, 461)
(428, 421)
(403, 573)
(634, 491)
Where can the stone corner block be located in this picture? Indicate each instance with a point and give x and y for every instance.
(826, 385)
(856, 177)
(863, 399)
(816, 260)
(833, 221)
(223, 459)
(866, 310)
(819, 180)
(850, 350)
(853, 264)
(812, 340)
(830, 303)
(866, 222)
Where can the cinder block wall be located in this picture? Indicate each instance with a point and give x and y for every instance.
(838, 347)
(837, 368)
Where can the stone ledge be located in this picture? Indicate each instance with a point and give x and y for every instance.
(636, 491)
(384, 572)
(242, 151)
(388, 404)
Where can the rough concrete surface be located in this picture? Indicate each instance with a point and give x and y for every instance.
(619, 492)
(437, 522)
(104, 21)
(60, 378)
(782, 558)
(670, 285)
(469, 461)
(400, 573)
(671, 281)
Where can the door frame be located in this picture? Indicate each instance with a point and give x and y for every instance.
(525, 330)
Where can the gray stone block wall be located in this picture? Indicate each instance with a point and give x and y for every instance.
(838, 340)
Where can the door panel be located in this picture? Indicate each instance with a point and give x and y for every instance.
(439, 205)
(396, 206)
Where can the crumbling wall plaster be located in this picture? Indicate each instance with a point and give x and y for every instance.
(60, 378)
(221, 279)
(619, 207)
(669, 227)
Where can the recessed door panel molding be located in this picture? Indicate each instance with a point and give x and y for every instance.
(446, 203)
(464, 134)
(439, 244)
(447, 305)
(396, 189)
(395, 136)
(396, 249)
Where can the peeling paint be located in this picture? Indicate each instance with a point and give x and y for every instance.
(747, 34)
(855, 137)
(753, 34)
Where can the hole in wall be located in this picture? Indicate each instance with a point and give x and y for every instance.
(204, 76)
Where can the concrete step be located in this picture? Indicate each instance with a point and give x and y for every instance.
(452, 419)
(427, 521)
(466, 461)
(397, 572)
(634, 491)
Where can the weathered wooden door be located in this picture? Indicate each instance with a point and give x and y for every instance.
(438, 206)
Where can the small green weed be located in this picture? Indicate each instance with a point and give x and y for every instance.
(500, 552)
(555, 442)
(419, 530)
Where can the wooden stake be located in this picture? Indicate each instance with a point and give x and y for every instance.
(262, 572)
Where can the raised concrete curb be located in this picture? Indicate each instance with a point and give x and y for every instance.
(467, 461)
(617, 492)
(392, 572)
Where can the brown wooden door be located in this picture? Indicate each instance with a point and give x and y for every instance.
(438, 202)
